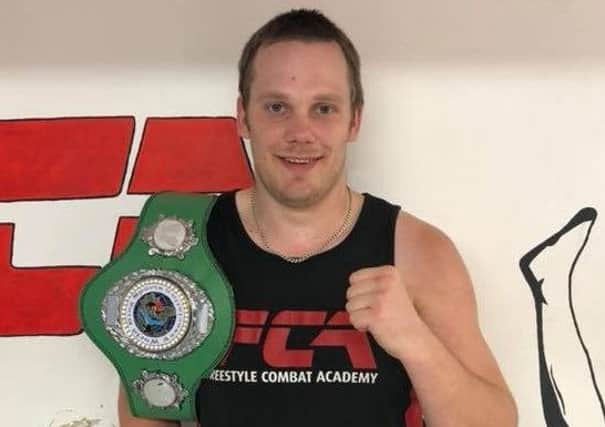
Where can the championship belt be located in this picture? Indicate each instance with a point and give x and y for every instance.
(162, 312)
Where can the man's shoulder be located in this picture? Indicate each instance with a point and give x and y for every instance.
(420, 238)
(425, 254)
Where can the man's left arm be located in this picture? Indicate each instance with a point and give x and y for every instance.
(422, 311)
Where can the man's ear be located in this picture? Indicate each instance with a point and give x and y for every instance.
(355, 123)
(241, 120)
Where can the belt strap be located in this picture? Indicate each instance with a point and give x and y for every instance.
(162, 311)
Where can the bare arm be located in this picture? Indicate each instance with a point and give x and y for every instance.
(128, 420)
(455, 376)
(422, 311)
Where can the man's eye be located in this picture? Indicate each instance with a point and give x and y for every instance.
(324, 109)
(275, 107)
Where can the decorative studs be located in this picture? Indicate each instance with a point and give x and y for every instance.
(169, 236)
(160, 390)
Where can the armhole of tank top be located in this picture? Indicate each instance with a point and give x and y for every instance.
(393, 215)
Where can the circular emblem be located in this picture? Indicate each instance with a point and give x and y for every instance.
(160, 390)
(170, 236)
(154, 314)
(159, 393)
(157, 314)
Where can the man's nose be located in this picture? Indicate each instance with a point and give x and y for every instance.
(299, 128)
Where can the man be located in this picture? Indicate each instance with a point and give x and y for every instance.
(306, 255)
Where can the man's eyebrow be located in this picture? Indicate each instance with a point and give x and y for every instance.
(322, 97)
(273, 95)
(329, 97)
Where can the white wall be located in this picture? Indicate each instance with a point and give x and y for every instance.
(484, 118)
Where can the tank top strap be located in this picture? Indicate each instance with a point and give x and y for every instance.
(375, 226)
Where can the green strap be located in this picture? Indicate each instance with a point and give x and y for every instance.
(198, 264)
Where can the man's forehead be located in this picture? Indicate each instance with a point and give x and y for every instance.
(316, 63)
(293, 47)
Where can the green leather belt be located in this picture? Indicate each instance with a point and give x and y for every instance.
(163, 311)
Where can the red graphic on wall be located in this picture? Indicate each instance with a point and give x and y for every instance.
(190, 154)
(69, 158)
(124, 231)
(77, 158)
(39, 300)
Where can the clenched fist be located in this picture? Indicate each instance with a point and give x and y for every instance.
(378, 302)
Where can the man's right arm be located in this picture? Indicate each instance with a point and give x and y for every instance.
(129, 420)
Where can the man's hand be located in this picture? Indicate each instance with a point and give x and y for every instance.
(378, 302)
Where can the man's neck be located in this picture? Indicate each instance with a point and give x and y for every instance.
(295, 231)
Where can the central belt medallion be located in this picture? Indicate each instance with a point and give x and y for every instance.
(158, 314)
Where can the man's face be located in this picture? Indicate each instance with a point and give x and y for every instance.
(299, 119)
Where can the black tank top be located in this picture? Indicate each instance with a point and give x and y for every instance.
(295, 358)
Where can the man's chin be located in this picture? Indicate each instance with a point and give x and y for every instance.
(298, 198)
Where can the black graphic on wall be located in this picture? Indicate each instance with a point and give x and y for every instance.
(558, 328)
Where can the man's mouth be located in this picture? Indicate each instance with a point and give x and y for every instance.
(299, 160)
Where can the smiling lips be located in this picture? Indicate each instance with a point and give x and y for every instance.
(299, 160)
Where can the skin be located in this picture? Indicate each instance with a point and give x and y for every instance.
(299, 121)
(421, 310)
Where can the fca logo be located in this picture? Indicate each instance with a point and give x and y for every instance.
(272, 337)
